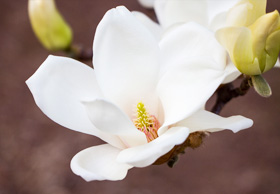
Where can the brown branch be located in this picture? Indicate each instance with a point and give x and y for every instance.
(226, 92)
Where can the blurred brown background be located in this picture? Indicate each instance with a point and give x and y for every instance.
(35, 152)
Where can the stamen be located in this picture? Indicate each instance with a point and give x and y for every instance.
(146, 123)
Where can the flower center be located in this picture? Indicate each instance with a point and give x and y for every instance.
(146, 123)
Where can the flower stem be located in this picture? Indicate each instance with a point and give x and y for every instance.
(226, 92)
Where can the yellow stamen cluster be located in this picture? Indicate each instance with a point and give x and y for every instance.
(146, 123)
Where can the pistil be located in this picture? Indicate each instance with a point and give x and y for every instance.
(146, 123)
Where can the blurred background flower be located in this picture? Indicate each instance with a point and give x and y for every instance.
(35, 152)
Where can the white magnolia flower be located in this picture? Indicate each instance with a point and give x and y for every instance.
(212, 14)
(142, 97)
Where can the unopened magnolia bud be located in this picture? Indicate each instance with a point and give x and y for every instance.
(253, 49)
(49, 26)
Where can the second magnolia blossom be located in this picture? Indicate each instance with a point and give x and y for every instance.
(250, 36)
(142, 98)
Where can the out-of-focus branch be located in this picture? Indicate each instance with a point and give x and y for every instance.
(79, 53)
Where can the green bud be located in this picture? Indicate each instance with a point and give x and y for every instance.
(48, 24)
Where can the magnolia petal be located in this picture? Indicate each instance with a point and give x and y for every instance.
(181, 11)
(277, 63)
(59, 86)
(99, 163)
(206, 121)
(147, 3)
(147, 154)
(231, 73)
(191, 41)
(205, 12)
(237, 16)
(125, 58)
(218, 22)
(150, 24)
(183, 90)
(272, 49)
(192, 70)
(246, 12)
(110, 119)
(265, 40)
(217, 11)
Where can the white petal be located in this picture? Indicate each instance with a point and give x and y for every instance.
(277, 63)
(126, 59)
(193, 67)
(59, 86)
(99, 163)
(191, 40)
(219, 21)
(238, 15)
(110, 119)
(181, 11)
(207, 121)
(150, 24)
(217, 11)
(184, 90)
(147, 154)
(231, 73)
(205, 12)
(147, 3)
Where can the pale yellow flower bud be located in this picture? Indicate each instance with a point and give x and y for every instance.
(253, 49)
(49, 26)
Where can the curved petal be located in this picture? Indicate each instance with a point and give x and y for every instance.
(181, 11)
(185, 89)
(147, 3)
(205, 12)
(237, 16)
(207, 121)
(246, 12)
(59, 86)
(147, 154)
(277, 63)
(125, 58)
(231, 73)
(219, 21)
(99, 163)
(155, 28)
(110, 119)
(191, 40)
(217, 10)
(193, 67)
